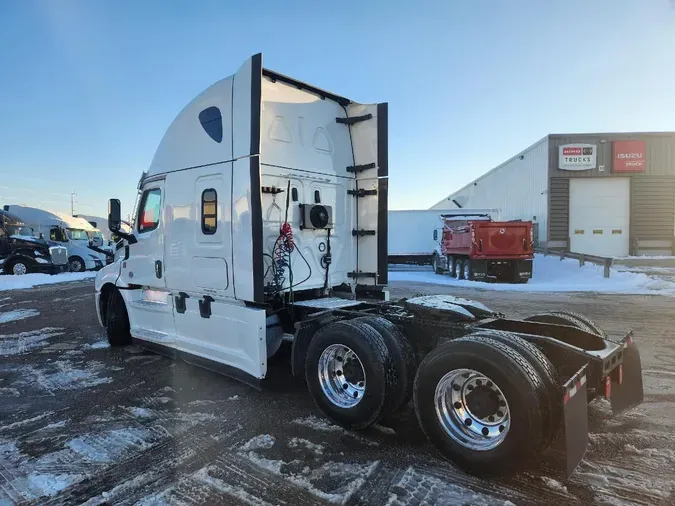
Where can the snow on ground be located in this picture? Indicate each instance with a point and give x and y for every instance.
(10, 282)
(15, 344)
(554, 275)
(19, 314)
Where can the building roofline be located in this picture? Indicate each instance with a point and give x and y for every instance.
(610, 134)
(543, 139)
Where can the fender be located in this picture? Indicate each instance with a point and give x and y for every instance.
(19, 255)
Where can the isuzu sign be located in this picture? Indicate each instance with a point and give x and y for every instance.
(629, 156)
(577, 157)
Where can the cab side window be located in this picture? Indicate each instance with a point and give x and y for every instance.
(149, 210)
(209, 211)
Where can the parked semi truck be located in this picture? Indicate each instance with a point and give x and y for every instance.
(22, 253)
(409, 240)
(473, 247)
(263, 216)
(60, 229)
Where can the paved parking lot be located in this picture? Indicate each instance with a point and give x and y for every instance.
(83, 423)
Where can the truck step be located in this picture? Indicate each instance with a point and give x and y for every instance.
(355, 119)
(360, 168)
(362, 192)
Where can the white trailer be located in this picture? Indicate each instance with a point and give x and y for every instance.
(411, 236)
(60, 229)
(414, 235)
(263, 216)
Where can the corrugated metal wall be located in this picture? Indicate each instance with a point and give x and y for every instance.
(517, 188)
(559, 209)
(652, 206)
(652, 192)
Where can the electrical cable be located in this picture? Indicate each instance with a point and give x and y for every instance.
(327, 260)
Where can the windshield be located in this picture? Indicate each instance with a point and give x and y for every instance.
(19, 230)
(77, 234)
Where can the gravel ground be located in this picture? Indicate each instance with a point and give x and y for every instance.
(83, 423)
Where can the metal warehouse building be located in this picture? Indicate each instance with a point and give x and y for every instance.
(599, 194)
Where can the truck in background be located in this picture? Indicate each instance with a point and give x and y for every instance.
(473, 247)
(263, 218)
(410, 240)
(60, 229)
(101, 226)
(22, 253)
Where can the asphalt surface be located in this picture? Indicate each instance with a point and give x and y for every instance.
(83, 423)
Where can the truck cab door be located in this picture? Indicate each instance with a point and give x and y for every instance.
(149, 304)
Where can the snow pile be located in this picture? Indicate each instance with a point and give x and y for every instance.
(550, 274)
(10, 282)
(264, 441)
(19, 314)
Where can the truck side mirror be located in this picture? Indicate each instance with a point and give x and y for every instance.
(435, 234)
(114, 215)
(115, 221)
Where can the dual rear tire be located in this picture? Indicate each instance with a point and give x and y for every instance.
(359, 371)
(490, 401)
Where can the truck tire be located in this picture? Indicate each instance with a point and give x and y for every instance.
(581, 319)
(452, 262)
(552, 402)
(117, 320)
(459, 268)
(19, 267)
(575, 320)
(76, 264)
(434, 265)
(351, 398)
(467, 270)
(563, 318)
(403, 360)
(468, 391)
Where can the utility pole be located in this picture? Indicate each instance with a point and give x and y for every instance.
(72, 203)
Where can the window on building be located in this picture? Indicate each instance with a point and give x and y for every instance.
(209, 211)
(212, 123)
(149, 210)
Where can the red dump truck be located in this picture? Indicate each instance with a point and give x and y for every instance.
(473, 247)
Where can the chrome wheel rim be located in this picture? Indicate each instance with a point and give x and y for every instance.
(19, 269)
(459, 269)
(434, 263)
(76, 266)
(472, 409)
(341, 376)
(465, 270)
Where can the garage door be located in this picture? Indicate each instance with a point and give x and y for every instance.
(600, 216)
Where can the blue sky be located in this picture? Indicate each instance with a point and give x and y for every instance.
(87, 88)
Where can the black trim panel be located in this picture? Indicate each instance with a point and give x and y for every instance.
(256, 198)
(304, 86)
(383, 192)
(204, 363)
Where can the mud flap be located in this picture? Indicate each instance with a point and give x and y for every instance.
(627, 379)
(570, 446)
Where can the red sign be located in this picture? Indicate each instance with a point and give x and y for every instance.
(571, 151)
(629, 156)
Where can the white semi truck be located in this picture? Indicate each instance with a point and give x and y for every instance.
(263, 216)
(60, 229)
